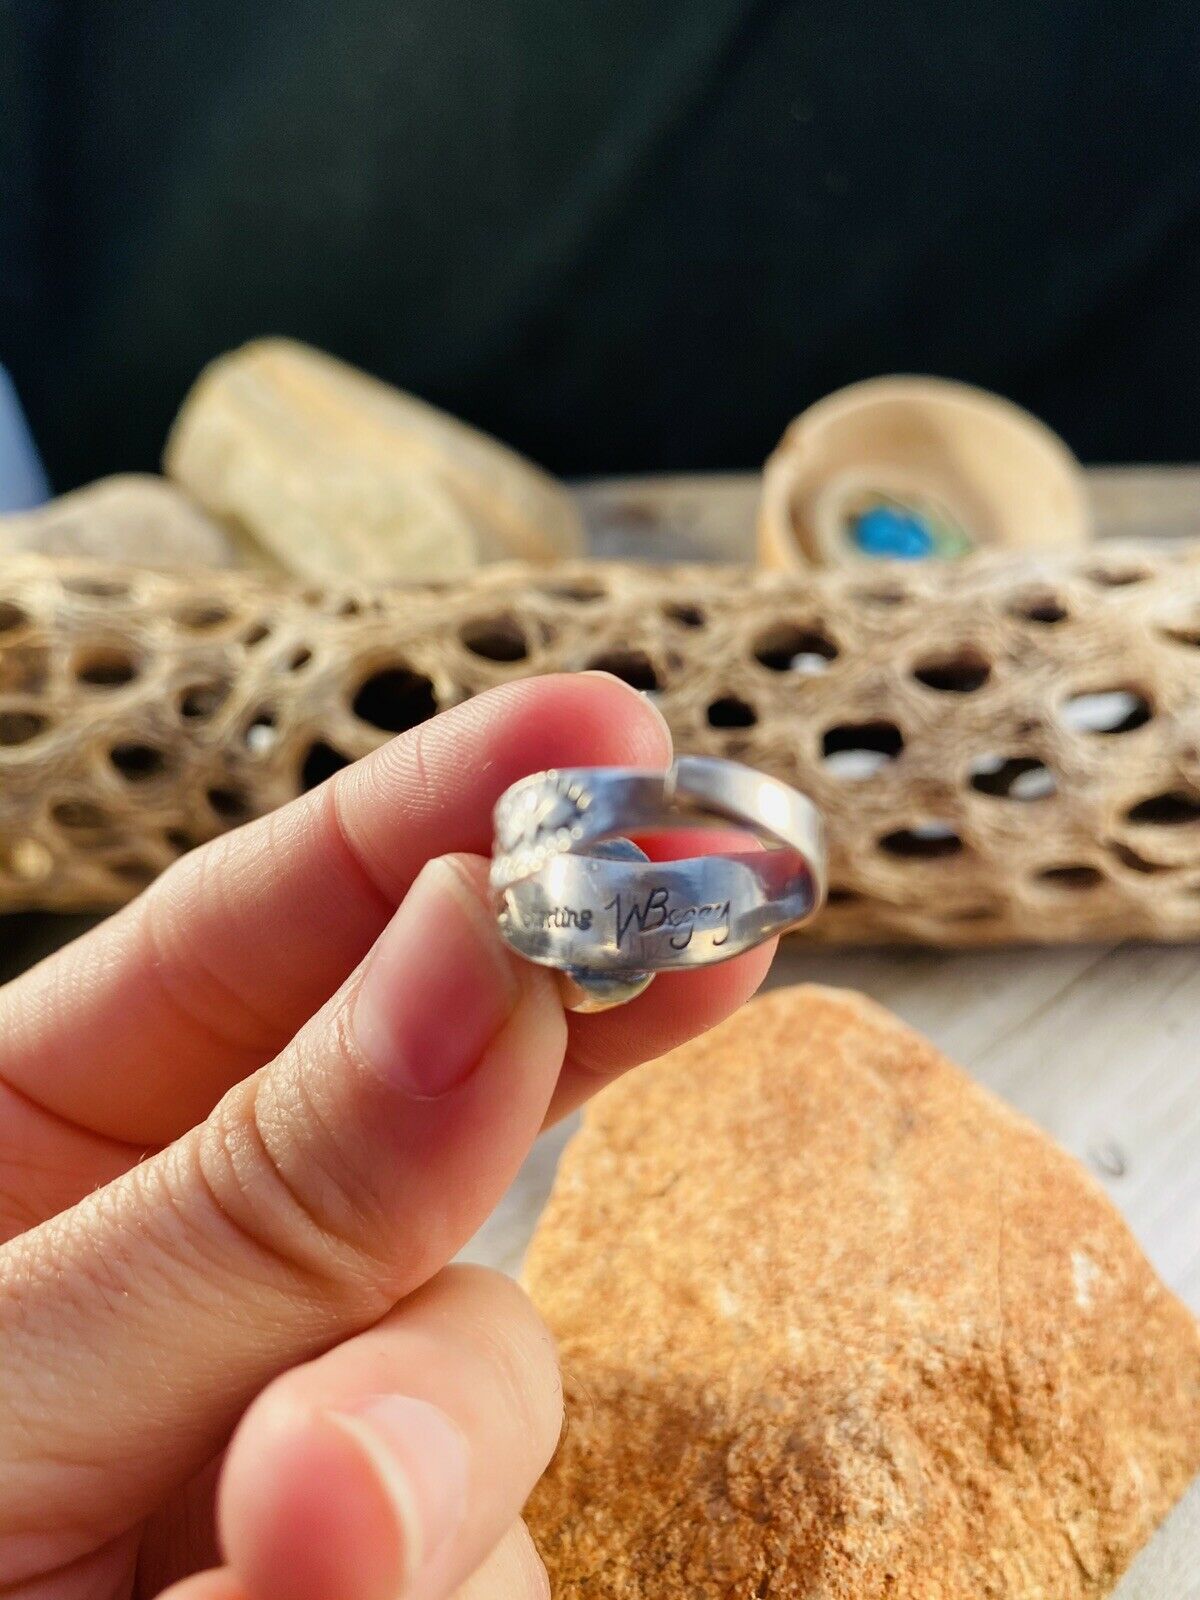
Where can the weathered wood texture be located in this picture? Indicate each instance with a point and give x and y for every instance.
(1004, 749)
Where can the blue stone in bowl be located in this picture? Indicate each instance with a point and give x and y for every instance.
(893, 534)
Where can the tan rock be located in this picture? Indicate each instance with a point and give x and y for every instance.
(340, 476)
(132, 519)
(835, 1323)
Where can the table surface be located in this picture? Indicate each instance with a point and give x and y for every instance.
(1098, 1046)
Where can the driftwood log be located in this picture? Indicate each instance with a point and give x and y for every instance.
(1006, 749)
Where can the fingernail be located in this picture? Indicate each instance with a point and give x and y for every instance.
(646, 696)
(423, 1465)
(438, 987)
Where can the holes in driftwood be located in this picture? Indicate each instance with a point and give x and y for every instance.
(837, 896)
(581, 591)
(137, 763)
(633, 667)
(959, 672)
(395, 699)
(179, 840)
(230, 804)
(321, 762)
(970, 913)
(19, 727)
(255, 634)
(1106, 711)
(202, 615)
(1183, 628)
(1042, 607)
(1175, 809)
(133, 871)
(103, 666)
(11, 617)
(859, 749)
(498, 638)
(1076, 876)
(1012, 777)
(685, 615)
(1131, 859)
(299, 659)
(261, 734)
(96, 588)
(926, 841)
(784, 647)
(199, 701)
(1116, 577)
(731, 711)
(80, 816)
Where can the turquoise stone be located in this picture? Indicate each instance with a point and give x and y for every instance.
(893, 534)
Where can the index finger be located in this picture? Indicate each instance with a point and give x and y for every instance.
(138, 1028)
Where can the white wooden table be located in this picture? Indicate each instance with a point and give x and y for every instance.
(1101, 1047)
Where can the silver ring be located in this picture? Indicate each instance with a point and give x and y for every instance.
(577, 895)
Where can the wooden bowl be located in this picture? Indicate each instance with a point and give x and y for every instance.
(916, 468)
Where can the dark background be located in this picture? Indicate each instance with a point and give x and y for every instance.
(620, 235)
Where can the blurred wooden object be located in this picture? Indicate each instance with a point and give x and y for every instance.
(930, 455)
(1003, 750)
(133, 519)
(333, 475)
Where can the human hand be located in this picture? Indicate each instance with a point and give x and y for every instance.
(244, 1125)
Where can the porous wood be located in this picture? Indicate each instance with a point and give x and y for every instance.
(133, 518)
(835, 1324)
(336, 475)
(948, 719)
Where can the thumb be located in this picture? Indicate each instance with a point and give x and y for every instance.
(138, 1325)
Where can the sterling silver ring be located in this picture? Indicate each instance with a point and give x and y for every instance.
(576, 894)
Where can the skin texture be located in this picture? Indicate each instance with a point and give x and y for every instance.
(244, 1126)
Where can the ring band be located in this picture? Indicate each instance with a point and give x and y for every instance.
(577, 895)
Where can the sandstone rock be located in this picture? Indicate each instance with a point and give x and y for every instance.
(835, 1323)
(340, 476)
(132, 519)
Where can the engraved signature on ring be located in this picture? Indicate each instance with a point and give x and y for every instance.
(652, 914)
(564, 917)
(656, 914)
